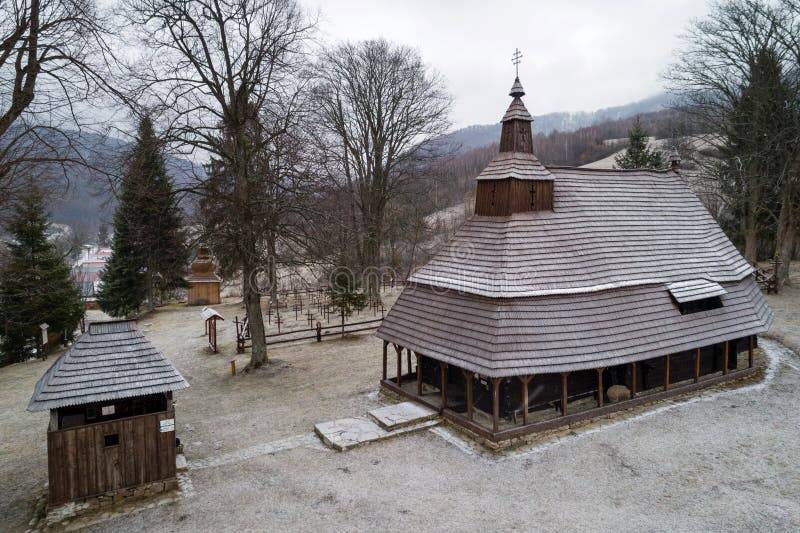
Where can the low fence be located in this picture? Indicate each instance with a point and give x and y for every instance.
(318, 333)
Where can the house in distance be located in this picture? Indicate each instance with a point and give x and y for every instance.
(570, 289)
(112, 419)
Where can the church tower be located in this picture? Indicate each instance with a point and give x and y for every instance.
(515, 181)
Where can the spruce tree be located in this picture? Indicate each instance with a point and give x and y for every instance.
(148, 249)
(35, 283)
(637, 155)
(346, 295)
(759, 138)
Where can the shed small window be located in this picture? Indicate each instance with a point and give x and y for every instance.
(112, 440)
(91, 413)
(695, 306)
(533, 197)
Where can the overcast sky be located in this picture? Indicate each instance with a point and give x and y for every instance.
(579, 55)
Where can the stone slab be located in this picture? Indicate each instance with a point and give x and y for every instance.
(347, 433)
(401, 415)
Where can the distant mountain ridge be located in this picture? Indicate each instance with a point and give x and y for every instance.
(480, 135)
(87, 201)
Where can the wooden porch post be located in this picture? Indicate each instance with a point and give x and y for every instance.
(443, 367)
(385, 358)
(564, 393)
(495, 404)
(468, 381)
(750, 351)
(419, 373)
(666, 372)
(600, 387)
(399, 350)
(525, 380)
(633, 379)
(725, 358)
(697, 365)
(408, 359)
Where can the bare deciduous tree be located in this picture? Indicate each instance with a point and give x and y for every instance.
(735, 78)
(379, 106)
(53, 55)
(789, 218)
(212, 67)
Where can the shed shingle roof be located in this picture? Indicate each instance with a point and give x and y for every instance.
(112, 360)
(567, 332)
(608, 229)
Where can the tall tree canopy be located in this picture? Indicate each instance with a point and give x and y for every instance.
(379, 106)
(759, 137)
(35, 283)
(737, 77)
(214, 68)
(148, 249)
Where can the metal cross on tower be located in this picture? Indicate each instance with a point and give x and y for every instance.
(516, 59)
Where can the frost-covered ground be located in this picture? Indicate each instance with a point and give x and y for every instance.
(726, 459)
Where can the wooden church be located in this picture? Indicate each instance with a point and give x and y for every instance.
(571, 293)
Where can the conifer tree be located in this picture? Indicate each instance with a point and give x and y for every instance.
(148, 249)
(35, 283)
(346, 294)
(637, 155)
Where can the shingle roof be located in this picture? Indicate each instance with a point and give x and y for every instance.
(518, 165)
(517, 111)
(608, 229)
(516, 89)
(112, 360)
(695, 289)
(560, 333)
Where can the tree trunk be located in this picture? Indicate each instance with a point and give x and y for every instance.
(250, 260)
(787, 231)
(255, 318)
(151, 305)
(372, 255)
(272, 267)
(750, 231)
(751, 244)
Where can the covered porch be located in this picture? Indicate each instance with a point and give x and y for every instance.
(502, 408)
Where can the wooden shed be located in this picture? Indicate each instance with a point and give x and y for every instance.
(204, 283)
(571, 292)
(112, 420)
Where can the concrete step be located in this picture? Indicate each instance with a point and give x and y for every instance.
(392, 417)
(348, 433)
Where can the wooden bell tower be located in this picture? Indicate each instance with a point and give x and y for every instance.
(515, 181)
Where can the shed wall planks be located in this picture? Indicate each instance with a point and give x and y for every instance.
(80, 465)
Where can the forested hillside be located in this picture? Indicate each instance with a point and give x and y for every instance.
(455, 175)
